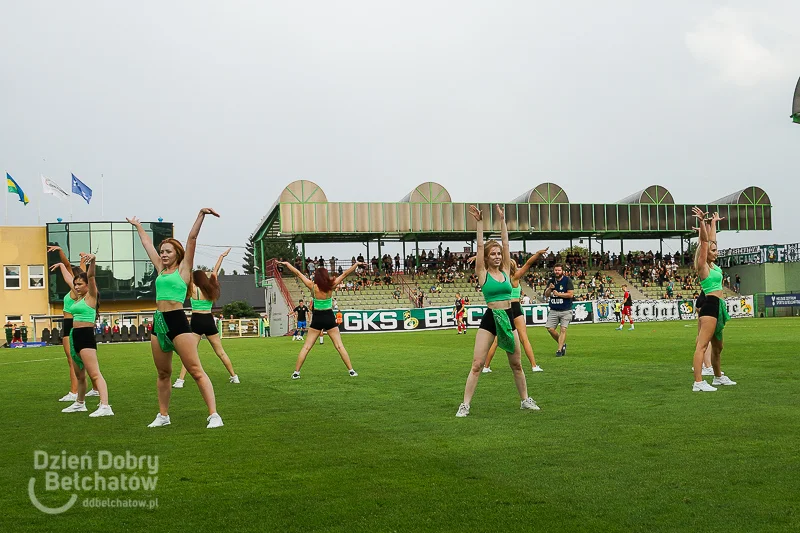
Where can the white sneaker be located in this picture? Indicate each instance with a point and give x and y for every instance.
(103, 410)
(463, 410)
(295, 375)
(723, 380)
(76, 407)
(93, 392)
(214, 421)
(159, 421)
(69, 397)
(528, 403)
(631, 328)
(486, 370)
(707, 371)
(353, 374)
(537, 368)
(619, 328)
(178, 384)
(702, 386)
(321, 340)
(234, 379)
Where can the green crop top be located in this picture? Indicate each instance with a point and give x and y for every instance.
(496, 291)
(81, 312)
(68, 303)
(323, 305)
(170, 287)
(713, 282)
(516, 292)
(201, 305)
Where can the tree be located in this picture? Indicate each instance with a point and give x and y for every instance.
(235, 273)
(238, 309)
(221, 271)
(249, 257)
(203, 268)
(579, 250)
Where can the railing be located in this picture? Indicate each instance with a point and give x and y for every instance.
(271, 270)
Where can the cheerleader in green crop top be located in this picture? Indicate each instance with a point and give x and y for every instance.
(493, 268)
(68, 272)
(205, 291)
(323, 318)
(171, 330)
(520, 321)
(712, 311)
(83, 347)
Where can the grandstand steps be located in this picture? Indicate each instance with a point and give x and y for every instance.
(619, 281)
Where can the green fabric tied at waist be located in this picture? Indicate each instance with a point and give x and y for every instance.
(75, 355)
(505, 335)
(160, 329)
(722, 319)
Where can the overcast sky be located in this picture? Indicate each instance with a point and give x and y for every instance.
(188, 104)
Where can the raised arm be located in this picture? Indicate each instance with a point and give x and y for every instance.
(90, 261)
(346, 273)
(147, 242)
(307, 282)
(66, 273)
(480, 267)
(504, 237)
(222, 256)
(712, 228)
(700, 261)
(529, 263)
(191, 242)
(63, 257)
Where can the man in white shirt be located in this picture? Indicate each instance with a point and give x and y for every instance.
(526, 300)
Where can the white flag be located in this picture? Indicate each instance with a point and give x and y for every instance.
(51, 187)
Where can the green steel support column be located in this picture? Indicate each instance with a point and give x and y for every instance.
(263, 272)
(661, 247)
(621, 251)
(416, 257)
(303, 248)
(368, 257)
(590, 252)
(570, 245)
(380, 257)
(602, 247)
(525, 246)
(405, 266)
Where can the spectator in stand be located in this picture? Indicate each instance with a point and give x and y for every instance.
(397, 263)
(738, 285)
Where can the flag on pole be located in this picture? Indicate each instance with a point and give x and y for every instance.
(51, 187)
(16, 189)
(80, 188)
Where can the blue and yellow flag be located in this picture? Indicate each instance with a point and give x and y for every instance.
(16, 189)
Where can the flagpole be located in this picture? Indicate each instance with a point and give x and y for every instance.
(102, 197)
(6, 200)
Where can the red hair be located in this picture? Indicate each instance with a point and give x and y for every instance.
(179, 251)
(323, 280)
(208, 285)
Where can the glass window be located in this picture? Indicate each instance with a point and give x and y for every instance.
(36, 277)
(12, 276)
(101, 245)
(144, 278)
(78, 242)
(101, 226)
(123, 244)
(57, 227)
(77, 226)
(13, 318)
(121, 226)
(104, 275)
(124, 274)
(58, 238)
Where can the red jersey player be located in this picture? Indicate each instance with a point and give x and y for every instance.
(627, 303)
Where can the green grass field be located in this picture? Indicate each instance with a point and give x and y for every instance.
(621, 442)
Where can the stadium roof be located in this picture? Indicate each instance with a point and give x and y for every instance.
(303, 213)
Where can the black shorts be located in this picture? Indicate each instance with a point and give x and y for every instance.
(487, 322)
(83, 338)
(177, 323)
(707, 306)
(203, 324)
(516, 310)
(67, 326)
(323, 320)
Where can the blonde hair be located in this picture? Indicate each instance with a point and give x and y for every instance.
(487, 248)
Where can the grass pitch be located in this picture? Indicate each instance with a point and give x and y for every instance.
(621, 442)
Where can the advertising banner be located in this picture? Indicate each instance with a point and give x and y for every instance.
(444, 317)
(782, 300)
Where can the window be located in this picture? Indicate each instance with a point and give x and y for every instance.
(12, 277)
(36, 277)
(13, 318)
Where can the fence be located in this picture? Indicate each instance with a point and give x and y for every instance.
(776, 305)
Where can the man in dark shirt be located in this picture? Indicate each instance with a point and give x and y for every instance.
(560, 292)
(301, 312)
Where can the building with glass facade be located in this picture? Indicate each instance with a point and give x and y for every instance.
(124, 272)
